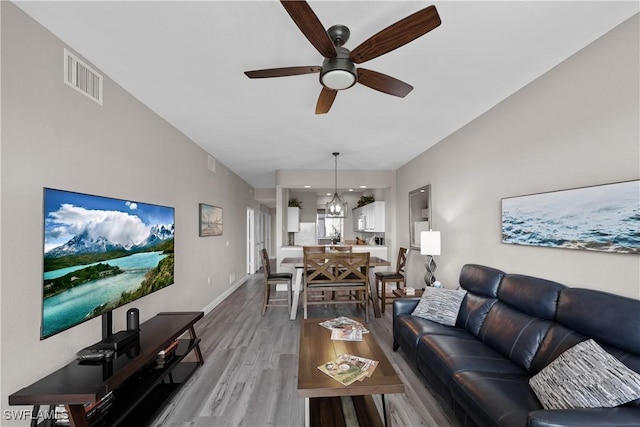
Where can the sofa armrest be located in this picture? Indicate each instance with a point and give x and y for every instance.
(597, 417)
(404, 305)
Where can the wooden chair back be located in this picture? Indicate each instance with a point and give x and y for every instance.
(335, 272)
(266, 265)
(336, 267)
(314, 249)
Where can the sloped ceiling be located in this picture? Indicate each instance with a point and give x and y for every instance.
(185, 60)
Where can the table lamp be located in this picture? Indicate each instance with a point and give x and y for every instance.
(430, 246)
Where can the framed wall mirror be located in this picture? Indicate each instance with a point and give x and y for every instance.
(419, 214)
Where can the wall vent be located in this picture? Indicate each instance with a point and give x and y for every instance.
(212, 164)
(82, 77)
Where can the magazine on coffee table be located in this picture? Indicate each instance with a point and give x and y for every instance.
(346, 334)
(367, 365)
(347, 369)
(344, 323)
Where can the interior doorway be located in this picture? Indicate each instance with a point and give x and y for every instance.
(258, 237)
(251, 239)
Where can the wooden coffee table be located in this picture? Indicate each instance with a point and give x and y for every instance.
(323, 394)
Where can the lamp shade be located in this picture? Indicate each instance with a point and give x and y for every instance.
(430, 243)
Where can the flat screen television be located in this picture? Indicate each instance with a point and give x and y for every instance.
(99, 254)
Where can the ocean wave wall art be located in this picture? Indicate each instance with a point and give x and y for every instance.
(599, 218)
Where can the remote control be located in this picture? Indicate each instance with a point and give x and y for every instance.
(94, 354)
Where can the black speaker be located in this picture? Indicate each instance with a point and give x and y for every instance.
(133, 319)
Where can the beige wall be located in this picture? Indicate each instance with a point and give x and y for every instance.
(55, 137)
(575, 126)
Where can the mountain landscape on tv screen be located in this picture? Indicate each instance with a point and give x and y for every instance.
(85, 244)
(101, 253)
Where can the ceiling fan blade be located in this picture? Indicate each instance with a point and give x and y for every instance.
(281, 72)
(325, 100)
(397, 35)
(310, 25)
(383, 83)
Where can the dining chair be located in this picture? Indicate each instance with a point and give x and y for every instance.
(340, 248)
(274, 279)
(397, 277)
(319, 249)
(337, 271)
(314, 249)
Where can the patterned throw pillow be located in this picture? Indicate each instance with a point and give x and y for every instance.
(440, 305)
(585, 376)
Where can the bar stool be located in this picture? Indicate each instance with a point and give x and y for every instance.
(382, 277)
(274, 279)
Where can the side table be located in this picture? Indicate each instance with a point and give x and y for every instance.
(399, 293)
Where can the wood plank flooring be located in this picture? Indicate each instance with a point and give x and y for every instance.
(249, 376)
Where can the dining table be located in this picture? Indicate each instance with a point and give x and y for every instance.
(298, 264)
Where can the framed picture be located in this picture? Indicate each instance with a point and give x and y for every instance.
(602, 218)
(419, 214)
(210, 220)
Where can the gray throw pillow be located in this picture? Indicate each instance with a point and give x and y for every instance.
(585, 376)
(440, 305)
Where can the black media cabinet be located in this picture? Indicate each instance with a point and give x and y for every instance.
(129, 388)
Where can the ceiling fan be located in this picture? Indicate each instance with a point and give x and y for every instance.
(338, 70)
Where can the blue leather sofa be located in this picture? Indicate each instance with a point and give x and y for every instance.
(508, 329)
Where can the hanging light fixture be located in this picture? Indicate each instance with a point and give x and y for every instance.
(336, 208)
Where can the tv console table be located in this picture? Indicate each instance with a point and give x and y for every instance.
(129, 388)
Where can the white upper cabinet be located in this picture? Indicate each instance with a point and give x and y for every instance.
(293, 219)
(369, 218)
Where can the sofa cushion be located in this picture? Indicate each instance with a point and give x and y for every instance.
(493, 398)
(514, 334)
(409, 329)
(597, 417)
(481, 280)
(558, 340)
(440, 305)
(531, 295)
(445, 355)
(607, 318)
(585, 376)
(473, 312)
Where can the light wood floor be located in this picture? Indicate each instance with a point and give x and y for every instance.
(250, 372)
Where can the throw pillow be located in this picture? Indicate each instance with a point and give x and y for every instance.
(585, 376)
(440, 305)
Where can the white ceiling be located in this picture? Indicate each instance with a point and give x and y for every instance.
(185, 61)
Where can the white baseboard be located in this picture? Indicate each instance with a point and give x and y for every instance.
(213, 304)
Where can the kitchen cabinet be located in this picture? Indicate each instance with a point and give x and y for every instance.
(293, 220)
(370, 218)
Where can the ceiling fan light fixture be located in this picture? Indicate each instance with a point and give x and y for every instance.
(338, 74)
(338, 79)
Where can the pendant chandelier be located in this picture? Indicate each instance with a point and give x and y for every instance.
(336, 208)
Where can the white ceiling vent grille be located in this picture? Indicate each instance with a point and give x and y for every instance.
(212, 164)
(82, 77)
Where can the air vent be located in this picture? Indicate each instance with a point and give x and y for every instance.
(212, 164)
(82, 77)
